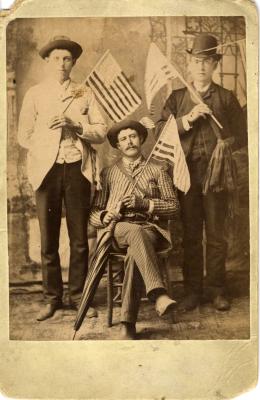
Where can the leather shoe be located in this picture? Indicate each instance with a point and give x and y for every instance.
(48, 311)
(164, 304)
(189, 303)
(92, 313)
(128, 331)
(221, 303)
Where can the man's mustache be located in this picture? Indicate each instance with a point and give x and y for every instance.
(131, 147)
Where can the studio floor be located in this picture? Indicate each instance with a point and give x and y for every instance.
(203, 323)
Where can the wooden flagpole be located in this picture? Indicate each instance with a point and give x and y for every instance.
(196, 95)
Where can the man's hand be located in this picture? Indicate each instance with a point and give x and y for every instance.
(200, 110)
(135, 202)
(129, 201)
(60, 121)
(111, 215)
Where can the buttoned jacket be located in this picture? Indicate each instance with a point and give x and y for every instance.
(41, 103)
(226, 109)
(154, 184)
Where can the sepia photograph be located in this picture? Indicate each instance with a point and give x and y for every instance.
(127, 168)
(129, 199)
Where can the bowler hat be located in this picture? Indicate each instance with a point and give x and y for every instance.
(126, 124)
(205, 45)
(61, 42)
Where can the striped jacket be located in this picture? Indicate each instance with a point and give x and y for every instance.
(154, 184)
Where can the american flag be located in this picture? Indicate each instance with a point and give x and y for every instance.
(112, 88)
(157, 73)
(168, 148)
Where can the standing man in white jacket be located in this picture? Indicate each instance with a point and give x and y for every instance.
(61, 166)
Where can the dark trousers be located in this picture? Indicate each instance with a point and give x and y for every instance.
(64, 182)
(197, 209)
(141, 266)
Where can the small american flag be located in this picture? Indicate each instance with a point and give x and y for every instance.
(113, 91)
(168, 148)
(157, 73)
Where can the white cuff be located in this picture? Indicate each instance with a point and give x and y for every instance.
(151, 207)
(185, 123)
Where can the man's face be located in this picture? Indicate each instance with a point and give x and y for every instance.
(60, 63)
(129, 143)
(202, 69)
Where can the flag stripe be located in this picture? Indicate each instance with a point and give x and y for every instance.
(113, 88)
(158, 82)
(129, 87)
(155, 79)
(127, 90)
(112, 114)
(162, 151)
(105, 109)
(169, 146)
(159, 158)
(168, 157)
(99, 97)
(136, 96)
(112, 99)
(106, 100)
(122, 89)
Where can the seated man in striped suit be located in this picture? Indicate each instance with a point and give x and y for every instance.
(137, 197)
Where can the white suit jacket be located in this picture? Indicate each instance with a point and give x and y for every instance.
(41, 103)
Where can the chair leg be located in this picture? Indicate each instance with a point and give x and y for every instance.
(109, 294)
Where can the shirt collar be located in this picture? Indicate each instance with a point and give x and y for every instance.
(207, 90)
(132, 163)
(204, 89)
(60, 86)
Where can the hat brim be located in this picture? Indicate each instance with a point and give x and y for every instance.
(117, 128)
(217, 56)
(73, 47)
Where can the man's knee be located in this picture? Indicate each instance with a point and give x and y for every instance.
(136, 232)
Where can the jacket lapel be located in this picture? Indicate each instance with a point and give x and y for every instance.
(68, 92)
(129, 177)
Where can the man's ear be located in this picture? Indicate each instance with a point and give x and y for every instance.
(215, 64)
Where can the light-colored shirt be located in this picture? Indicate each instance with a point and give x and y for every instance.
(130, 166)
(46, 146)
(68, 151)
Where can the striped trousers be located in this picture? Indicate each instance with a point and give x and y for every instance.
(141, 266)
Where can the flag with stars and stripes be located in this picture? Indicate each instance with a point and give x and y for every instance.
(158, 71)
(112, 89)
(168, 148)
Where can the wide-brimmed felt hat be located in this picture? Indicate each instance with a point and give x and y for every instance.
(61, 42)
(205, 45)
(126, 124)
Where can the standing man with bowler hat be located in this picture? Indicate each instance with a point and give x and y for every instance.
(208, 151)
(147, 199)
(61, 166)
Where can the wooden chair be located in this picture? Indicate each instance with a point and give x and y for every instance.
(115, 276)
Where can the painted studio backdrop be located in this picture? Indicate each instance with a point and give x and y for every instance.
(128, 40)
